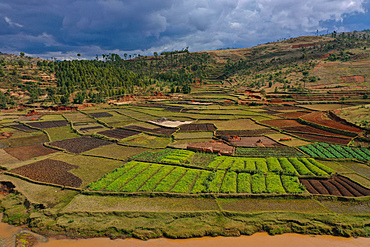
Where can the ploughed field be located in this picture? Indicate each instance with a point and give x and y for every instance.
(50, 171)
(337, 186)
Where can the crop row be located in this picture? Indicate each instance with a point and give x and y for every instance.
(167, 156)
(325, 150)
(288, 166)
(269, 152)
(139, 176)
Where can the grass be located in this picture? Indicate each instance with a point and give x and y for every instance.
(193, 135)
(184, 143)
(347, 207)
(146, 141)
(271, 205)
(50, 196)
(117, 120)
(90, 168)
(294, 142)
(61, 133)
(139, 204)
(78, 117)
(324, 107)
(355, 114)
(35, 138)
(78, 128)
(238, 124)
(136, 115)
(51, 117)
(359, 179)
(116, 151)
(361, 169)
(6, 158)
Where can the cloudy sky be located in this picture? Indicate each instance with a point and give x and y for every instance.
(63, 28)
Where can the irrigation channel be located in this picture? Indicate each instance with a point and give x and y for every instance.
(8, 232)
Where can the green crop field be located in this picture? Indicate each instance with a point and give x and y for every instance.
(325, 150)
(141, 176)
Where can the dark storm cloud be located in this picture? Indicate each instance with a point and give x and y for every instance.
(62, 28)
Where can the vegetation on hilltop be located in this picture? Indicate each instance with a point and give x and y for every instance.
(285, 66)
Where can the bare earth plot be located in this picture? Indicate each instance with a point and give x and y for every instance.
(50, 171)
(80, 145)
(29, 152)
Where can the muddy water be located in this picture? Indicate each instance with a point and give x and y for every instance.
(257, 240)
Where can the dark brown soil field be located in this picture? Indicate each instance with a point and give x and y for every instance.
(322, 118)
(30, 118)
(176, 109)
(337, 186)
(320, 138)
(244, 132)
(269, 112)
(100, 114)
(50, 171)
(118, 133)
(256, 141)
(283, 108)
(281, 123)
(29, 152)
(160, 131)
(313, 130)
(49, 124)
(22, 127)
(293, 115)
(91, 128)
(198, 127)
(80, 145)
(212, 147)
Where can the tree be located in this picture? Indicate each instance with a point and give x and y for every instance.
(79, 98)
(22, 54)
(64, 100)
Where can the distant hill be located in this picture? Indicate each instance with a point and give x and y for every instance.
(296, 67)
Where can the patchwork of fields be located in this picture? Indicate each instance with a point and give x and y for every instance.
(249, 159)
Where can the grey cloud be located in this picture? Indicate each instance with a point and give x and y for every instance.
(92, 27)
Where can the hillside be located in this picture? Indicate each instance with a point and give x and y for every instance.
(308, 68)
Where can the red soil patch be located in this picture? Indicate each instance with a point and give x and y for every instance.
(244, 132)
(337, 186)
(301, 46)
(320, 138)
(212, 147)
(257, 141)
(50, 171)
(5, 135)
(355, 78)
(29, 152)
(283, 108)
(293, 115)
(281, 123)
(321, 118)
(311, 130)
